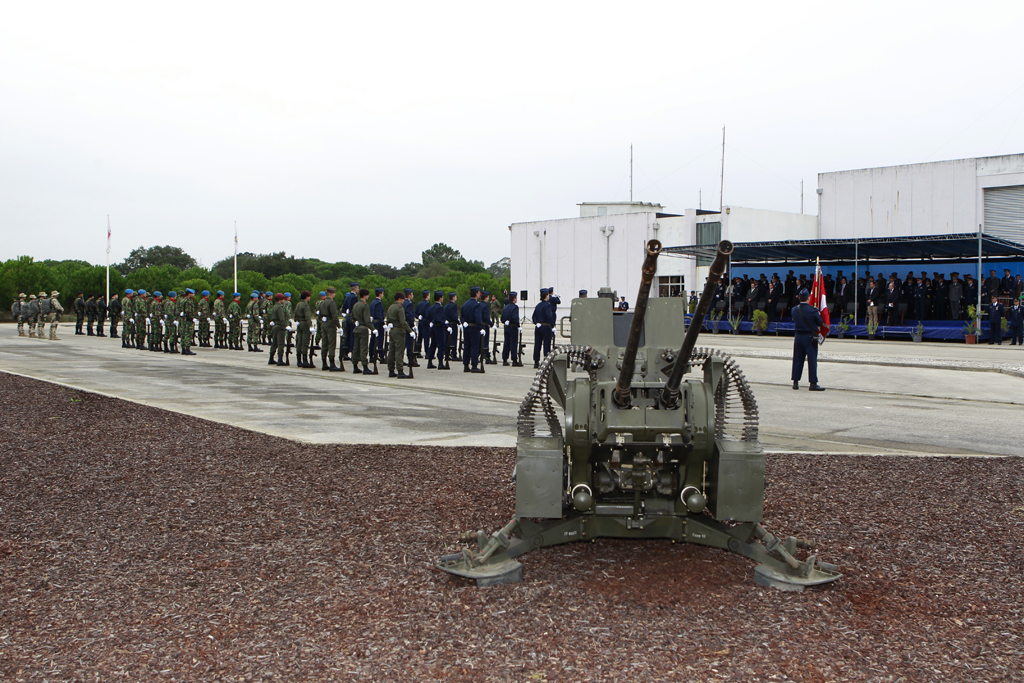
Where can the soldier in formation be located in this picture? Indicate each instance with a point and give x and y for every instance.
(234, 317)
(398, 330)
(80, 313)
(115, 309)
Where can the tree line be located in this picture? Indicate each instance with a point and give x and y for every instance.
(167, 268)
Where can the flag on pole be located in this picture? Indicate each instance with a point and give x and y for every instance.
(108, 234)
(817, 300)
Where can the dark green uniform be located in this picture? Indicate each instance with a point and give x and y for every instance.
(186, 316)
(328, 323)
(398, 329)
(204, 310)
(156, 328)
(278, 323)
(254, 323)
(220, 322)
(303, 316)
(362, 324)
(235, 325)
(171, 324)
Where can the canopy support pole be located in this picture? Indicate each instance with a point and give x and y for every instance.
(855, 302)
(977, 311)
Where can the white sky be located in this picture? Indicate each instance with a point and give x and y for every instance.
(368, 131)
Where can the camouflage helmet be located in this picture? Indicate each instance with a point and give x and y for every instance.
(21, 295)
(54, 293)
(42, 294)
(32, 297)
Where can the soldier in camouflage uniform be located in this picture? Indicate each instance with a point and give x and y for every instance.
(155, 318)
(29, 313)
(141, 308)
(235, 322)
(170, 320)
(319, 332)
(220, 321)
(265, 309)
(128, 311)
(291, 327)
(44, 311)
(16, 312)
(254, 322)
(204, 310)
(186, 315)
(55, 312)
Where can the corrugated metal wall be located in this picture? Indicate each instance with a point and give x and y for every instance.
(1004, 212)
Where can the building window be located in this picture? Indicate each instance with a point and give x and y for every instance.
(708, 234)
(671, 285)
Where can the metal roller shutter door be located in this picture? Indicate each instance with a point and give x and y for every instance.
(1004, 212)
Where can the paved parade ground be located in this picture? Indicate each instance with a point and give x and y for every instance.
(883, 397)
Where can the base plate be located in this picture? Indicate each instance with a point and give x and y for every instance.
(766, 576)
(494, 572)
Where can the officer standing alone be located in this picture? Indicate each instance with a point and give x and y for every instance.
(806, 321)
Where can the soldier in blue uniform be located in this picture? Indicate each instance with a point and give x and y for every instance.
(1015, 316)
(346, 311)
(806, 321)
(451, 321)
(470, 331)
(436, 343)
(422, 327)
(377, 314)
(485, 327)
(995, 321)
(920, 299)
(510, 321)
(410, 317)
(544, 330)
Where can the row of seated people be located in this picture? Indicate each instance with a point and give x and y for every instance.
(894, 301)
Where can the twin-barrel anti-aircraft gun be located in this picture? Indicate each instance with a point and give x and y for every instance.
(632, 450)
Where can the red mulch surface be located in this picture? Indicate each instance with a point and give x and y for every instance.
(138, 544)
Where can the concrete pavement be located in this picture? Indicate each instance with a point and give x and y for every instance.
(944, 401)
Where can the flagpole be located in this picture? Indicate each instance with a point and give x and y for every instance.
(236, 257)
(108, 261)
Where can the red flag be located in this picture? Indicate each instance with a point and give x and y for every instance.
(818, 301)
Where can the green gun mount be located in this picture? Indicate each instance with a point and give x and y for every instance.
(631, 450)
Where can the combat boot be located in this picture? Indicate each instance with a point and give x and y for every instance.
(367, 370)
(31, 335)
(402, 375)
(392, 373)
(517, 364)
(430, 365)
(324, 366)
(166, 348)
(187, 352)
(280, 358)
(504, 363)
(272, 361)
(54, 337)
(356, 370)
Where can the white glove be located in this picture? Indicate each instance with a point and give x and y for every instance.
(357, 322)
(225, 320)
(449, 330)
(538, 326)
(504, 322)
(271, 323)
(483, 333)
(194, 321)
(465, 324)
(182, 314)
(147, 319)
(419, 317)
(175, 323)
(431, 324)
(323, 319)
(289, 329)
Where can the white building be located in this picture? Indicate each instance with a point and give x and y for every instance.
(937, 198)
(604, 246)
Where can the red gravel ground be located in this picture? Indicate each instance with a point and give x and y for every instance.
(138, 544)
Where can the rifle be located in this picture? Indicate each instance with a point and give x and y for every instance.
(461, 350)
(410, 350)
(494, 352)
(312, 343)
(375, 354)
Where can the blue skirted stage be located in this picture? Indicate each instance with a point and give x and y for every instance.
(934, 330)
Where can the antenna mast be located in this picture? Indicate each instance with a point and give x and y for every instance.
(721, 187)
(631, 174)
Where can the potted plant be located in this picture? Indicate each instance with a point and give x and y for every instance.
(872, 328)
(713, 321)
(844, 325)
(918, 334)
(735, 322)
(971, 328)
(760, 322)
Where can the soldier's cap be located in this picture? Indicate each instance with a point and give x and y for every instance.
(438, 292)
(451, 294)
(21, 295)
(142, 291)
(157, 294)
(129, 291)
(583, 292)
(474, 289)
(269, 293)
(42, 293)
(379, 290)
(172, 294)
(32, 297)
(279, 296)
(408, 290)
(329, 290)
(206, 292)
(486, 293)
(220, 292)
(353, 284)
(513, 296)
(425, 291)
(544, 290)
(803, 292)
(287, 295)
(254, 295)
(236, 295)
(323, 293)
(189, 290)
(54, 293)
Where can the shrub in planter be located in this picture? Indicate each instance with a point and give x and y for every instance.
(760, 322)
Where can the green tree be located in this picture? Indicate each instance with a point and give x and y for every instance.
(142, 257)
(440, 253)
(500, 268)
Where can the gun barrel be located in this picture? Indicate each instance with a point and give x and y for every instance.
(670, 393)
(622, 394)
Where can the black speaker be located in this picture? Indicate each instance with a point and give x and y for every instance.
(523, 294)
